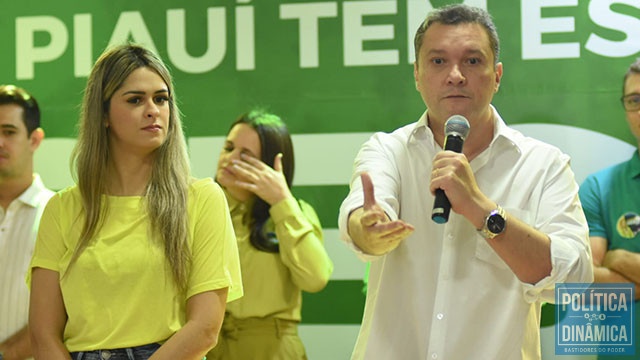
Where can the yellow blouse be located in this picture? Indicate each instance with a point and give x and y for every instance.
(120, 293)
(272, 281)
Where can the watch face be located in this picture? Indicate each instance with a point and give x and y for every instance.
(495, 223)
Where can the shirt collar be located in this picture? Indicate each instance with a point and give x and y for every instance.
(421, 132)
(31, 196)
(501, 132)
(235, 206)
(231, 201)
(634, 165)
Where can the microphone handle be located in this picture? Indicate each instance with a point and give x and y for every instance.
(441, 207)
(454, 143)
(441, 204)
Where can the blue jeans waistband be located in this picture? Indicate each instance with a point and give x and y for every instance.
(142, 352)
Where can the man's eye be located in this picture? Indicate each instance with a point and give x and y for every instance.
(633, 100)
(438, 61)
(474, 61)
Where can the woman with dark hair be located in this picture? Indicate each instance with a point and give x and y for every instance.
(279, 239)
(137, 260)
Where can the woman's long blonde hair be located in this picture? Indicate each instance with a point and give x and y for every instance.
(167, 192)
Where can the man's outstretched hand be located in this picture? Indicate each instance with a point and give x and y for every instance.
(369, 226)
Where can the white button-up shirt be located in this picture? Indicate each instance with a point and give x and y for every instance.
(444, 293)
(18, 230)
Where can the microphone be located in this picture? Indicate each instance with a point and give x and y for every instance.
(456, 130)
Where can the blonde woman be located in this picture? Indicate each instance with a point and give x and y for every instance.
(138, 260)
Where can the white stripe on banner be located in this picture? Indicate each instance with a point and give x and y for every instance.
(52, 162)
(328, 341)
(321, 159)
(346, 265)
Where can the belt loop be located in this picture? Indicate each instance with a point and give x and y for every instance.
(80, 355)
(278, 327)
(130, 354)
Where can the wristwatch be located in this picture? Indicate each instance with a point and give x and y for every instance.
(494, 223)
(1, 355)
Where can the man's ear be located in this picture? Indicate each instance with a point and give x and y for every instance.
(498, 71)
(415, 75)
(36, 138)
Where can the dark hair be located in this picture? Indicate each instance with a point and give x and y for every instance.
(11, 94)
(274, 139)
(634, 68)
(459, 14)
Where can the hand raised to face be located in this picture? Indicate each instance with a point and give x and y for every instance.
(267, 183)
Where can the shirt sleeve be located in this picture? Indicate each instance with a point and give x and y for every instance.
(591, 199)
(378, 163)
(302, 251)
(215, 260)
(50, 246)
(561, 218)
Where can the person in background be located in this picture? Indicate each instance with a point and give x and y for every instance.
(611, 202)
(23, 197)
(138, 260)
(516, 226)
(279, 239)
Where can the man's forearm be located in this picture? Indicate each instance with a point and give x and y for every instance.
(626, 263)
(602, 274)
(525, 250)
(17, 346)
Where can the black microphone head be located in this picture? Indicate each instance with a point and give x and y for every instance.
(457, 125)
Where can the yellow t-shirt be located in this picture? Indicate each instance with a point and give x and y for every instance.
(272, 282)
(120, 293)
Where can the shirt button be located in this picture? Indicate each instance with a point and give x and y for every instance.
(439, 316)
(434, 356)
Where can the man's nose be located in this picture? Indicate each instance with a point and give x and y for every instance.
(455, 76)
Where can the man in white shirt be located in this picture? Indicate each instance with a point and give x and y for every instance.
(471, 288)
(22, 200)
